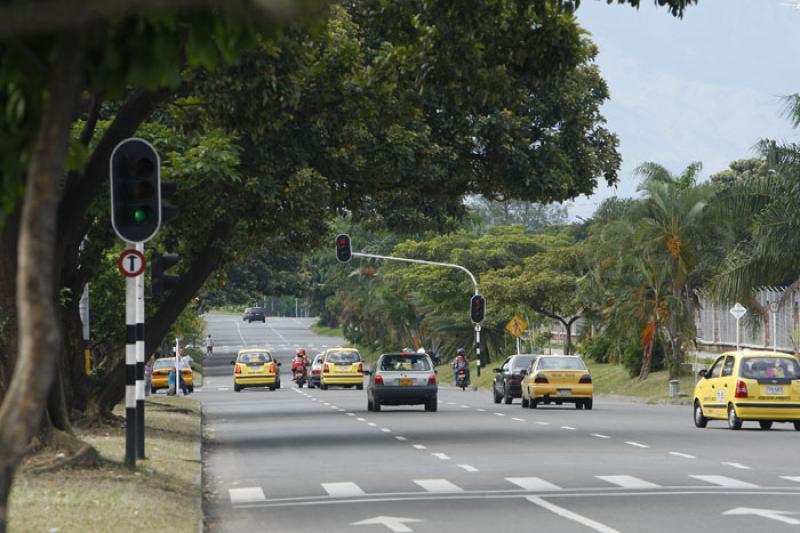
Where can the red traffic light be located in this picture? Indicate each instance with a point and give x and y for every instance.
(343, 251)
(477, 308)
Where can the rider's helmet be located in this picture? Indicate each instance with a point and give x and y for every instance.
(461, 351)
(300, 352)
(421, 350)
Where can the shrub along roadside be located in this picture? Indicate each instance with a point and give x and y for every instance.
(164, 492)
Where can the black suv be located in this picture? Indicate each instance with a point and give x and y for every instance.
(508, 378)
(254, 313)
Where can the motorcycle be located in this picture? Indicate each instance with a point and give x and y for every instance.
(462, 379)
(299, 373)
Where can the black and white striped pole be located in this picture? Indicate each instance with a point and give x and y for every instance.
(130, 357)
(140, 359)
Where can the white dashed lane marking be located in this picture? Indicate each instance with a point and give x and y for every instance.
(420, 446)
(442, 456)
(543, 423)
(519, 419)
(637, 444)
(600, 436)
(684, 455)
(361, 419)
(401, 438)
(344, 489)
(532, 483)
(246, 495)
(740, 466)
(629, 482)
(469, 468)
(438, 485)
(724, 481)
(568, 427)
(386, 430)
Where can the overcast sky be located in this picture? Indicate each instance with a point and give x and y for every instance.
(703, 88)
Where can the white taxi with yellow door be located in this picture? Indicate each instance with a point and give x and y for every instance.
(749, 386)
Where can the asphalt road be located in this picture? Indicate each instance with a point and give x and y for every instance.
(313, 460)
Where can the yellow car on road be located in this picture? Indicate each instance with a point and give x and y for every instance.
(161, 370)
(743, 386)
(557, 379)
(342, 367)
(255, 367)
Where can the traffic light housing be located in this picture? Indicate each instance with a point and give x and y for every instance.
(161, 282)
(135, 190)
(477, 308)
(343, 251)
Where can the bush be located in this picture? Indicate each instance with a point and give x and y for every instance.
(632, 356)
(596, 348)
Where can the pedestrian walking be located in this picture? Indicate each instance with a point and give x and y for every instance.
(148, 375)
(209, 346)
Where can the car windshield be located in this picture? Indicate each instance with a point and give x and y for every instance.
(255, 357)
(561, 363)
(343, 358)
(405, 362)
(521, 362)
(164, 363)
(769, 367)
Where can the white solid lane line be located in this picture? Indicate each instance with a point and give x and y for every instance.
(575, 517)
(442, 456)
(469, 468)
(740, 466)
(532, 483)
(600, 436)
(246, 495)
(637, 444)
(684, 455)
(343, 489)
(438, 485)
(629, 482)
(724, 481)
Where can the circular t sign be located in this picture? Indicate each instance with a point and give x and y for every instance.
(131, 263)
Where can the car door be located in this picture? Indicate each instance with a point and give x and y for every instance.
(726, 383)
(713, 405)
(499, 378)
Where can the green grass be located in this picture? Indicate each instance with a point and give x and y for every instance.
(326, 331)
(112, 497)
(607, 379)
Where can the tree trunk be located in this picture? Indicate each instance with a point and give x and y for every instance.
(39, 334)
(8, 298)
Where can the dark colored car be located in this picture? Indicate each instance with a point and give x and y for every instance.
(254, 313)
(508, 378)
(402, 379)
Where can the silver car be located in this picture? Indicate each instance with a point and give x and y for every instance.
(316, 371)
(402, 379)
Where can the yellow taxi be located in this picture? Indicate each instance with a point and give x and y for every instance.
(342, 367)
(749, 385)
(160, 376)
(557, 379)
(255, 367)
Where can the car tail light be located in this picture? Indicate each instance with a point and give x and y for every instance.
(325, 369)
(186, 372)
(378, 379)
(432, 379)
(238, 369)
(273, 368)
(741, 389)
(515, 377)
(315, 372)
(586, 378)
(540, 379)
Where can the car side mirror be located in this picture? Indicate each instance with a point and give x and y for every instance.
(435, 371)
(523, 373)
(497, 369)
(702, 373)
(279, 364)
(233, 363)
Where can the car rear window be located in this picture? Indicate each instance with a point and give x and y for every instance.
(255, 357)
(343, 357)
(318, 359)
(521, 362)
(561, 363)
(405, 362)
(164, 363)
(769, 367)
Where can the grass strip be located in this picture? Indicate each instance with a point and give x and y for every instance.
(163, 493)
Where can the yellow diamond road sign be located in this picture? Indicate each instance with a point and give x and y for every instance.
(517, 326)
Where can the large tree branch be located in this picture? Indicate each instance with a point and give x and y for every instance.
(39, 333)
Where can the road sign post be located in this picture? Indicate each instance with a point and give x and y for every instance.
(738, 311)
(130, 355)
(773, 309)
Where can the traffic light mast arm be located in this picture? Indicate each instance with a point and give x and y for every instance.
(422, 262)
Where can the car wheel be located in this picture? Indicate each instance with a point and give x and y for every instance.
(496, 396)
(765, 424)
(524, 402)
(369, 404)
(376, 405)
(359, 387)
(236, 388)
(272, 387)
(191, 388)
(734, 422)
(432, 405)
(263, 320)
(532, 403)
(587, 404)
(700, 419)
(797, 426)
(578, 404)
(507, 399)
(323, 386)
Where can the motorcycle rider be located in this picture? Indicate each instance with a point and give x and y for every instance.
(459, 363)
(300, 361)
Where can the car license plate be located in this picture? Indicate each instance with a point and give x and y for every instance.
(775, 390)
(405, 381)
(564, 392)
(344, 369)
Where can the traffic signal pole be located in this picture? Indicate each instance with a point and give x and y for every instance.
(446, 265)
(140, 359)
(130, 370)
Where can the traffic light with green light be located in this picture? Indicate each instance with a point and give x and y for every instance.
(477, 308)
(135, 190)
